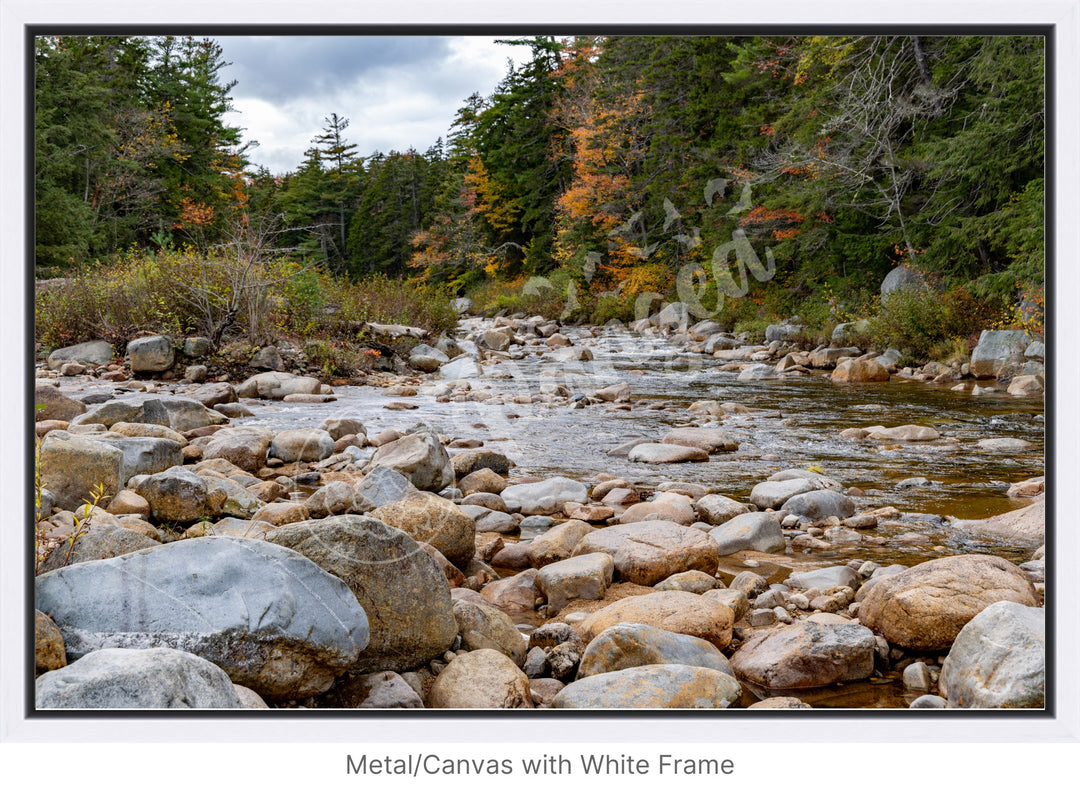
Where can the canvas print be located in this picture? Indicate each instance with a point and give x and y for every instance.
(566, 372)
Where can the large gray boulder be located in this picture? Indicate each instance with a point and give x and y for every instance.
(902, 277)
(94, 352)
(996, 349)
(152, 354)
(652, 686)
(115, 678)
(271, 618)
(402, 590)
(145, 455)
(752, 531)
(773, 494)
(421, 458)
(998, 659)
(177, 412)
(276, 385)
(782, 331)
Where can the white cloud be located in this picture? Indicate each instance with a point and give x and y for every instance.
(397, 92)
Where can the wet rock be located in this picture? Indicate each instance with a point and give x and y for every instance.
(1003, 445)
(482, 481)
(463, 366)
(908, 433)
(752, 531)
(648, 552)
(136, 679)
(1027, 385)
(818, 505)
(773, 494)
(433, 520)
(276, 385)
(177, 412)
(402, 590)
(824, 578)
(479, 459)
(584, 577)
(481, 679)
(627, 645)
(828, 358)
(663, 453)
(652, 686)
(272, 619)
(998, 659)
(671, 610)
(618, 392)
(806, 655)
(427, 358)
(421, 458)
(544, 497)
(861, 369)
(917, 677)
(758, 371)
(924, 607)
(708, 440)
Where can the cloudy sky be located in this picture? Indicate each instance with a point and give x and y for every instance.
(396, 91)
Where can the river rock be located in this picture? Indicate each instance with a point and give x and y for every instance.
(145, 455)
(94, 352)
(671, 610)
(758, 371)
(635, 645)
(925, 606)
(482, 481)
(383, 486)
(773, 494)
(481, 679)
(148, 430)
(427, 358)
(402, 590)
(716, 509)
(153, 354)
(246, 446)
(708, 440)
(57, 406)
(72, 466)
(272, 619)
(557, 543)
(276, 385)
(663, 454)
(584, 577)
(652, 686)
(996, 349)
(214, 394)
(1024, 527)
(648, 552)
(483, 626)
(617, 392)
(824, 578)
(177, 412)
(998, 659)
(1003, 445)
(116, 678)
(782, 331)
(861, 369)
(463, 366)
(420, 457)
(818, 505)
(544, 497)
(95, 543)
(49, 653)
(480, 459)
(909, 433)
(175, 495)
(806, 655)
(752, 531)
(301, 445)
(335, 498)
(433, 520)
(673, 507)
(516, 594)
(1027, 385)
(693, 581)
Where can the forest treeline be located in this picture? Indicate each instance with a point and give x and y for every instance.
(605, 163)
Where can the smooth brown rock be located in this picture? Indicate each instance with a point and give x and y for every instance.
(49, 652)
(646, 553)
(434, 520)
(481, 679)
(924, 607)
(806, 655)
(673, 610)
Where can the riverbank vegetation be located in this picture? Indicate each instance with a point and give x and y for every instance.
(602, 176)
